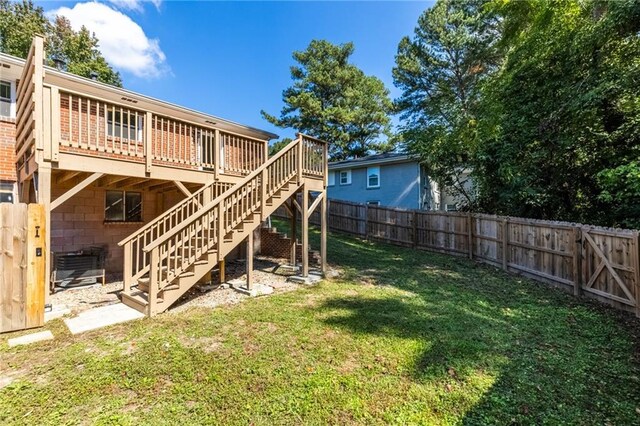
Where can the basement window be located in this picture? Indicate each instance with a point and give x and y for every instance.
(123, 206)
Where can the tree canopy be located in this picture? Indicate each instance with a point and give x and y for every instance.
(334, 100)
(538, 98)
(561, 135)
(21, 21)
(441, 71)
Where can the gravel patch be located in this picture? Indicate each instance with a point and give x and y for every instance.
(80, 299)
(216, 295)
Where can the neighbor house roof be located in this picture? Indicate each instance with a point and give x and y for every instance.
(370, 160)
(81, 82)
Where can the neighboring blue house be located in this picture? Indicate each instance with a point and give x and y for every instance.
(392, 180)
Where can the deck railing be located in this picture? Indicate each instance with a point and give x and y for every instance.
(59, 115)
(88, 124)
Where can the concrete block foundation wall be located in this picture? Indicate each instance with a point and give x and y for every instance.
(79, 222)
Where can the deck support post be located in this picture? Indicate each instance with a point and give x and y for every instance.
(305, 231)
(249, 263)
(323, 234)
(294, 231)
(221, 271)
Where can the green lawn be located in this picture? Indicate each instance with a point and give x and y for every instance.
(403, 337)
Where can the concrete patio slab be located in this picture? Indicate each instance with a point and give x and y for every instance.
(30, 338)
(103, 316)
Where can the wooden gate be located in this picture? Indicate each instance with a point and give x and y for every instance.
(610, 265)
(22, 266)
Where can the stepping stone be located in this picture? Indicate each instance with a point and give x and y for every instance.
(58, 311)
(101, 317)
(311, 279)
(30, 338)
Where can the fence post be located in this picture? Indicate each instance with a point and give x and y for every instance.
(577, 261)
(366, 221)
(505, 244)
(470, 234)
(415, 227)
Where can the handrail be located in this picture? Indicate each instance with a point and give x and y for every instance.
(187, 222)
(311, 137)
(167, 213)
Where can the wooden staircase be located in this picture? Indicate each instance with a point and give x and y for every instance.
(169, 255)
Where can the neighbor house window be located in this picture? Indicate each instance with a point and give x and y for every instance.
(373, 203)
(451, 207)
(345, 177)
(123, 206)
(125, 125)
(373, 177)
(7, 102)
(332, 178)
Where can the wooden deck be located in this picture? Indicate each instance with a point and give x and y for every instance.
(85, 134)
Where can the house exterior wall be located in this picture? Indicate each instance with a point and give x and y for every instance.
(7, 149)
(399, 186)
(79, 222)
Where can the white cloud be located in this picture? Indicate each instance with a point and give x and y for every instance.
(122, 41)
(135, 5)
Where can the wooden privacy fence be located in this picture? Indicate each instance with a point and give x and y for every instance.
(598, 262)
(22, 266)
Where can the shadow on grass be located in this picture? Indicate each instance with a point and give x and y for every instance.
(553, 359)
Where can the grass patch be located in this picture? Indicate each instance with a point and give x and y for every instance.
(402, 337)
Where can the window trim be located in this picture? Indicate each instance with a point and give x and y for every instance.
(373, 203)
(331, 178)
(12, 98)
(348, 175)
(369, 174)
(124, 208)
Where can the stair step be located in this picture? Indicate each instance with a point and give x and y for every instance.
(186, 274)
(138, 301)
(200, 262)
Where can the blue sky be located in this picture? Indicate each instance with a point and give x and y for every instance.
(232, 59)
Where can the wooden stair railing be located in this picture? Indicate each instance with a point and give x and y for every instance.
(136, 262)
(193, 245)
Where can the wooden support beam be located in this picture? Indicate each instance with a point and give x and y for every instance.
(249, 260)
(130, 182)
(294, 231)
(182, 188)
(67, 175)
(111, 180)
(323, 234)
(315, 204)
(221, 271)
(73, 191)
(295, 203)
(305, 231)
(288, 209)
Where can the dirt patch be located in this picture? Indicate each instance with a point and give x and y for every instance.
(206, 344)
